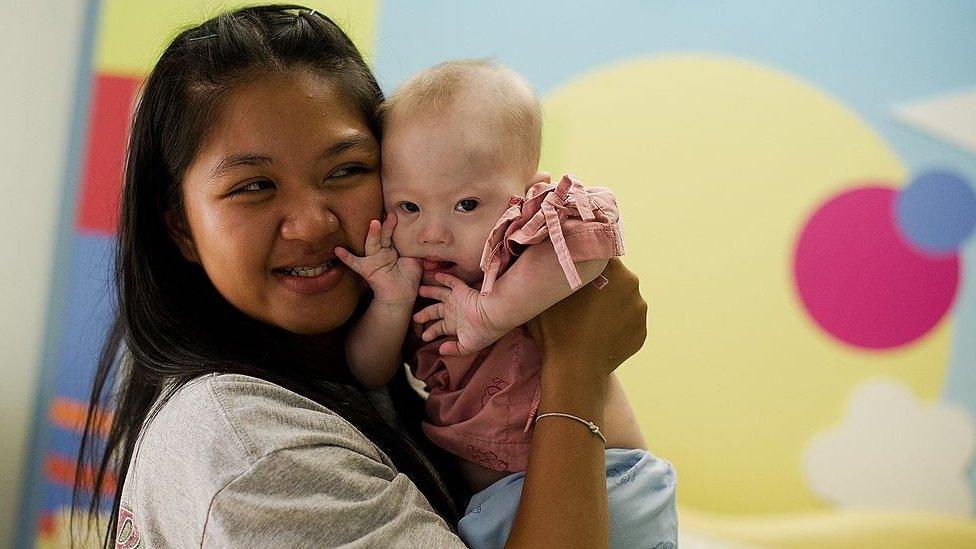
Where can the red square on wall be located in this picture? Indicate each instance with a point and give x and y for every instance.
(113, 98)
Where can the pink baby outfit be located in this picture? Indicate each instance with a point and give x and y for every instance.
(582, 224)
(481, 407)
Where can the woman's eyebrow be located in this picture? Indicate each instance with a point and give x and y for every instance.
(364, 142)
(235, 160)
(357, 141)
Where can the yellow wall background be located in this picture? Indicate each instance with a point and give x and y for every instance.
(718, 158)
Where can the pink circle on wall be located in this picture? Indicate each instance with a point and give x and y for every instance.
(861, 282)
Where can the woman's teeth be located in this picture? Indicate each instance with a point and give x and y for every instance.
(311, 271)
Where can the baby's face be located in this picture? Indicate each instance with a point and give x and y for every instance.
(446, 191)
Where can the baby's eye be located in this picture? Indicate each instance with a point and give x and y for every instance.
(409, 207)
(254, 186)
(466, 205)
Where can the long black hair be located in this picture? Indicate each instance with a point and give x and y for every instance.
(171, 324)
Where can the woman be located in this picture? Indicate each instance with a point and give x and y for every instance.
(253, 154)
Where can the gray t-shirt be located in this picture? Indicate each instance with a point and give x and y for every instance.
(235, 461)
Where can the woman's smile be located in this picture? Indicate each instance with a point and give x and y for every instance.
(312, 280)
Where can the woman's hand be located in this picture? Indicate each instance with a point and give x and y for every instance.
(582, 338)
(394, 279)
(594, 329)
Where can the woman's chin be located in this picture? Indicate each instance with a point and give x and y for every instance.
(318, 315)
(314, 324)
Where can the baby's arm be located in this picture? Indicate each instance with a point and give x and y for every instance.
(537, 278)
(533, 283)
(374, 343)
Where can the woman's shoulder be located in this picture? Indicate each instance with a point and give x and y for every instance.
(211, 433)
(253, 417)
(230, 459)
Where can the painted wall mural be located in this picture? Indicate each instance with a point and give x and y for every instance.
(797, 188)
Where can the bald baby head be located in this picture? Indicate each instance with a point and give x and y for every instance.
(484, 93)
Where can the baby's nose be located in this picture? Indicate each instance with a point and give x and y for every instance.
(435, 232)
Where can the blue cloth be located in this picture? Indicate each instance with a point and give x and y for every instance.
(641, 492)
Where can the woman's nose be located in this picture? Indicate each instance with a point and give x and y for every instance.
(310, 221)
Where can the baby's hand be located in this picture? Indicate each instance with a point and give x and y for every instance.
(394, 279)
(461, 313)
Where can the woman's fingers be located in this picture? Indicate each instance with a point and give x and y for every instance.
(429, 313)
(601, 328)
(633, 316)
(373, 237)
(386, 234)
(440, 293)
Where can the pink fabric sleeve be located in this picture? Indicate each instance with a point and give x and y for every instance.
(583, 223)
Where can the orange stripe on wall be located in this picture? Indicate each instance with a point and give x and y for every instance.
(45, 525)
(61, 470)
(69, 414)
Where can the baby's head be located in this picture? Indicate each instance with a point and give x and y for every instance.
(459, 139)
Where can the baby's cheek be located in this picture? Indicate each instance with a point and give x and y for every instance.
(402, 241)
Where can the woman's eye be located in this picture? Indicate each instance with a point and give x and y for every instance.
(409, 207)
(466, 205)
(255, 186)
(346, 171)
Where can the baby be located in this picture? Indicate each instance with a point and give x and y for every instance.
(473, 226)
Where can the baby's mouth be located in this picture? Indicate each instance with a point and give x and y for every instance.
(306, 271)
(437, 265)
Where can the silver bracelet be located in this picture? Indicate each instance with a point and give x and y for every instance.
(592, 426)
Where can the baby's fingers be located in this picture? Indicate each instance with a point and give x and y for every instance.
(429, 313)
(439, 293)
(450, 348)
(352, 261)
(451, 281)
(386, 235)
(373, 237)
(434, 331)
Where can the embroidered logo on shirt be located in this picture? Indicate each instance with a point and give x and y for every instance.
(128, 536)
(497, 385)
(487, 458)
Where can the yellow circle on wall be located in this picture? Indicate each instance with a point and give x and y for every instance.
(717, 163)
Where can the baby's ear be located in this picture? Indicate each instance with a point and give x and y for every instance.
(541, 177)
(181, 237)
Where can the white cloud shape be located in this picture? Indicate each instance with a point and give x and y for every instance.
(950, 117)
(894, 452)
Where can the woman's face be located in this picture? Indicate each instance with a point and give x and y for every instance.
(288, 172)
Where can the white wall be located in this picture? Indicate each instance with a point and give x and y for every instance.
(39, 41)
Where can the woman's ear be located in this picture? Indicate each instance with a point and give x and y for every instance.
(181, 237)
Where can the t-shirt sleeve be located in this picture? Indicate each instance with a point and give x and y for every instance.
(323, 496)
